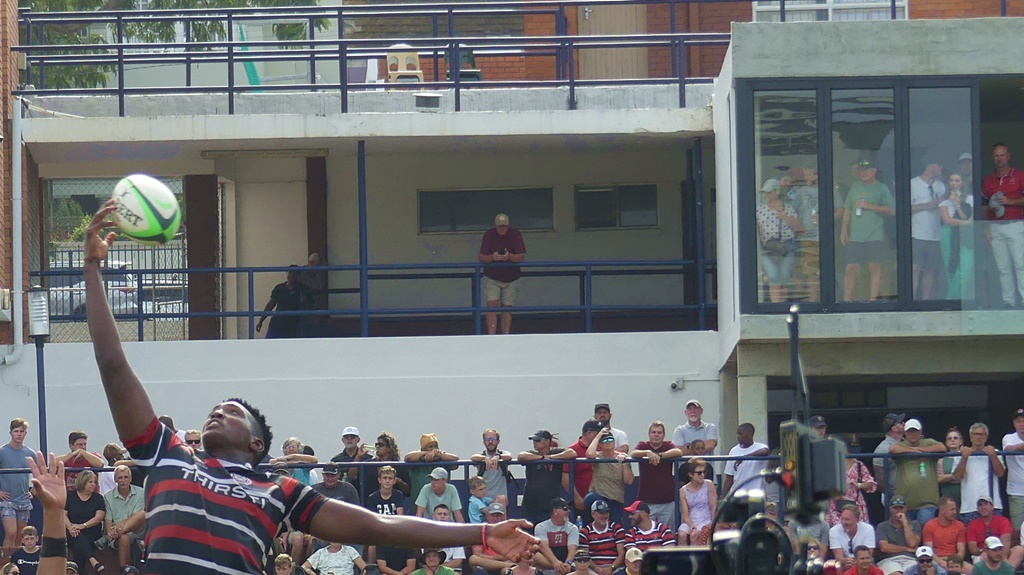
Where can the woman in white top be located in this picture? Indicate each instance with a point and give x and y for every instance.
(698, 499)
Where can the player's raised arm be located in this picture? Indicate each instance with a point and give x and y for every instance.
(128, 401)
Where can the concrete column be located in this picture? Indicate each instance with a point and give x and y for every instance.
(752, 405)
(729, 415)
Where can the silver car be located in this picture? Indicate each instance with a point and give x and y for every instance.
(67, 291)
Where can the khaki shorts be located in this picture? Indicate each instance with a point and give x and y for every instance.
(810, 258)
(495, 290)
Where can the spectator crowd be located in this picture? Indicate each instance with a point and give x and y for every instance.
(944, 499)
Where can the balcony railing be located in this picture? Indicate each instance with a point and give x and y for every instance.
(148, 306)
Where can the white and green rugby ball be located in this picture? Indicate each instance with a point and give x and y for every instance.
(147, 210)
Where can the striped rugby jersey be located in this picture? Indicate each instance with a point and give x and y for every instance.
(658, 536)
(603, 545)
(205, 516)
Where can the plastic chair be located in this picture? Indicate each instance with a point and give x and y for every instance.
(404, 66)
(467, 66)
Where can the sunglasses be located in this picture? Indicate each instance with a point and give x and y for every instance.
(813, 547)
(194, 441)
(380, 444)
(700, 472)
(924, 561)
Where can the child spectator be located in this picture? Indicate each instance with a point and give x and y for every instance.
(954, 564)
(478, 499)
(26, 557)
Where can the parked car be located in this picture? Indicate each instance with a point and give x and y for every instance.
(67, 290)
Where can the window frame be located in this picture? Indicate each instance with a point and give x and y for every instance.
(745, 180)
(580, 190)
(830, 7)
(487, 224)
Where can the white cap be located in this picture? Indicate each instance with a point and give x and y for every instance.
(993, 542)
(965, 156)
(439, 473)
(912, 424)
(924, 551)
(350, 430)
(632, 554)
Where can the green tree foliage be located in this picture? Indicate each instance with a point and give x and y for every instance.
(92, 76)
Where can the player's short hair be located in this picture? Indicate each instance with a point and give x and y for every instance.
(476, 481)
(386, 470)
(28, 530)
(955, 559)
(18, 423)
(262, 429)
(654, 424)
(284, 560)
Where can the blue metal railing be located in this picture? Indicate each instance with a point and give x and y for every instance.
(584, 272)
(515, 485)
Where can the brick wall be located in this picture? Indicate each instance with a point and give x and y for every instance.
(8, 80)
(700, 60)
(945, 9)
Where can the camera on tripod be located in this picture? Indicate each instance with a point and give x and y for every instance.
(811, 473)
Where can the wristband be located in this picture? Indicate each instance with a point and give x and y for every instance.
(483, 539)
(54, 547)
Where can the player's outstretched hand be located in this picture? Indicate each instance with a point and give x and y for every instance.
(97, 243)
(48, 481)
(509, 539)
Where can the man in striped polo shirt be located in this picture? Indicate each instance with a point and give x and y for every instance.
(646, 532)
(604, 539)
(211, 512)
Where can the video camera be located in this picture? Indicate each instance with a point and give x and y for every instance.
(812, 472)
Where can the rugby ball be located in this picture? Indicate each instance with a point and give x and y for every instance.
(147, 210)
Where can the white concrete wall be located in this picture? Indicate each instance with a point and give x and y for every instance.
(727, 237)
(454, 386)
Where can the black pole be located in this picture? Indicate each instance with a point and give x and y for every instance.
(41, 384)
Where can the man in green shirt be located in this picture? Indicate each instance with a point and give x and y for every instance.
(863, 231)
(916, 476)
(992, 562)
(125, 516)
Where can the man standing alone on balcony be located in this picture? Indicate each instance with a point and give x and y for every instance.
(501, 244)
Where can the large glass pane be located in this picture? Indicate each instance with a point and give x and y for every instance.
(942, 208)
(863, 167)
(786, 199)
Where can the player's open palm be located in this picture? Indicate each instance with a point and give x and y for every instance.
(97, 239)
(509, 539)
(48, 481)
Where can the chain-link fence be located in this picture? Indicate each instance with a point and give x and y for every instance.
(133, 278)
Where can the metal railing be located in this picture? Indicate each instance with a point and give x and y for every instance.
(515, 484)
(583, 272)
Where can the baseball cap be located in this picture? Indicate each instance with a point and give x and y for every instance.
(501, 220)
(350, 430)
(690, 402)
(439, 473)
(898, 501)
(771, 185)
(541, 434)
(965, 156)
(866, 163)
(130, 569)
(600, 505)
(582, 556)
(72, 566)
(912, 424)
(818, 421)
(638, 506)
(495, 508)
(558, 503)
(892, 419)
(1020, 413)
(924, 551)
(591, 425)
(601, 406)
(993, 542)
(984, 498)
(634, 554)
(331, 469)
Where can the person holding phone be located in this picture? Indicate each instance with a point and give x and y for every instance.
(501, 244)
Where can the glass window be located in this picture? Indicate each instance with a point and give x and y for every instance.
(474, 210)
(863, 164)
(786, 199)
(629, 206)
(829, 10)
(940, 202)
